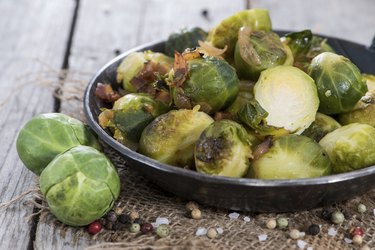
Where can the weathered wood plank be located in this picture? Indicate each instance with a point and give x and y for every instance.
(103, 29)
(339, 18)
(33, 35)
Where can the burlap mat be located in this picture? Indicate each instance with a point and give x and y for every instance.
(139, 194)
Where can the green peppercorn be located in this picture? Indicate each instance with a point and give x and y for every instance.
(135, 228)
(282, 222)
(162, 230)
(337, 217)
(361, 208)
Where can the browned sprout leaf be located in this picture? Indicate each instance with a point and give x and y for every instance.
(106, 93)
(210, 50)
(180, 69)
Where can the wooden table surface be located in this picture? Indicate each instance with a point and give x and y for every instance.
(41, 40)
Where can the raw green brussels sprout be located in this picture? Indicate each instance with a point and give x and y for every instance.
(171, 137)
(226, 33)
(291, 157)
(305, 46)
(322, 125)
(286, 101)
(80, 185)
(224, 148)
(47, 135)
(186, 38)
(130, 115)
(139, 71)
(339, 83)
(350, 147)
(364, 111)
(211, 83)
(259, 50)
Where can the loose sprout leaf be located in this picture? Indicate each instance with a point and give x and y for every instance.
(210, 50)
(180, 69)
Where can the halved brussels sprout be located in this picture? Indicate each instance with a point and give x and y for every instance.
(130, 115)
(139, 71)
(47, 135)
(291, 157)
(186, 38)
(211, 83)
(322, 125)
(171, 137)
(339, 83)
(80, 185)
(364, 110)
(259, 50)
(226, 33)
(224, 148)
(286, 101)
(350, 147)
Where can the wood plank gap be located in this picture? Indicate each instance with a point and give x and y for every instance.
(247, 4)
(34, 225)
(65, 63)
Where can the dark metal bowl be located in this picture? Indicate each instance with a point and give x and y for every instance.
(238, 193)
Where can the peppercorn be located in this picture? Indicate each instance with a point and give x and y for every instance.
(294, 234)
(271, 224)
(139, 221)
(111, 216)
(146, 228)
(119, 210)
(212, 233)
(162, 230)
(361, 208)
(94, 227)
(124, 218)
(196, 214)
(313, 229)
(357, 231)
(357, 240)
(109, 225)
(326, 214)
(282, 222)
(337, 217)
(134, 215)
(191, 205)
(117, 226)
(135, 228)
(365, 247)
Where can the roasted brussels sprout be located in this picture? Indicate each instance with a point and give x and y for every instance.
(130, 115)
(291, 157)
(322, 125)
(364, 110)
(339, 83)
(286, 101)
(139, 71)
(47, 135)
(186, 38)
(171, 137)
(259, 50)
(211, 83)
(305, 46)
(245, 95)
(80, 185)
(224, 148)
(226, 33)
(350, 147)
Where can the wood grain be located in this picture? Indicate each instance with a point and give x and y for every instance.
(338, 18)
(33, 38)
(105, 28)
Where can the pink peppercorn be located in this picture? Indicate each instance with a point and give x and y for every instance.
(94, 227)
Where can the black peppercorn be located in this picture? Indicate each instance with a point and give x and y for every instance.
(124, 219)
(111, 216)
(326, 214)
(313, 229)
